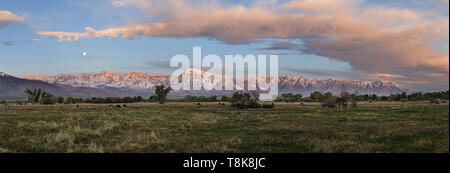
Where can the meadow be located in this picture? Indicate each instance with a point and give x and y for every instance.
(378, 127)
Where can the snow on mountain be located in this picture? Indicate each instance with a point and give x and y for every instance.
(294, 84)
(135, 80)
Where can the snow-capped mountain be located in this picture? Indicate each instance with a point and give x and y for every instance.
(134, 80)
(304, 85)
(293, 84)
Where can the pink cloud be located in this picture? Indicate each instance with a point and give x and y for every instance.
(8, 18)
(372, 39)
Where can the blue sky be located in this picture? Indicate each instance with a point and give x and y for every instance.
(24, 52)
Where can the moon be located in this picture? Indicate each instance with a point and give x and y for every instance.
(84, 53)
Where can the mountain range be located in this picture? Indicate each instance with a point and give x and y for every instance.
(106, 84)
(12, 88)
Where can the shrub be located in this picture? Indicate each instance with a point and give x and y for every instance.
(60, 99)
(48, 100)
(329, 102)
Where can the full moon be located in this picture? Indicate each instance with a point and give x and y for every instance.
(84, 53)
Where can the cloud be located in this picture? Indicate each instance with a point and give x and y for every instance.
(374, 39)
(8, 18)
(8, 43)
(11, 43)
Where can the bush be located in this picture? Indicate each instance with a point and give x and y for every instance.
(329, 102)
(48, 100)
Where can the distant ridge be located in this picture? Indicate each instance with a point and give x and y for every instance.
(140, 81)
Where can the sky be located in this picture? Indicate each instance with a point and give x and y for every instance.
(404, 41)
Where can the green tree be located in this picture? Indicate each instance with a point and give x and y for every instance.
(327, 95)
(316, 96)
(278, 99)
(127, 100)
(34, 95)
(224, 99)
(69, 100)
(46, 94)
(160, 94)
(298, 97)
(288, 97)
(60, 99)
(384, 98)
(374, 97)
(48, 100)
(139, 99)
(202, 99)
(212, 98)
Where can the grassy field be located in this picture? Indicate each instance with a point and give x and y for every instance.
(187, 127)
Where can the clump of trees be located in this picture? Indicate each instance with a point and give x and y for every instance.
(353, 98)
(37, 95)
(160, 94)
(238, 99)
(289, 97)
(343, 100)
(247, 100)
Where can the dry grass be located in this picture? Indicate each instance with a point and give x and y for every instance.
(185, 127)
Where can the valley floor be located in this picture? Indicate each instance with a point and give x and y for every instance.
(187, 127)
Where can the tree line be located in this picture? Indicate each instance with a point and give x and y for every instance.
(319, 97)
(37, 95)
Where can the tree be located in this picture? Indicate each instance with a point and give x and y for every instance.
(245, 100)
(288, 97)
(343, 99)
(225, 99)
(160, 94)
(139, 99)
(327, 95)
(316, 96)
(46, 94)
(60, 99)
(202, 99)
(34, 95)
(298, 97)
(127, 100)
(374, 97)
(189, 98)
(48, 100)
(329, 102)
(212, 98)
(71, 100)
